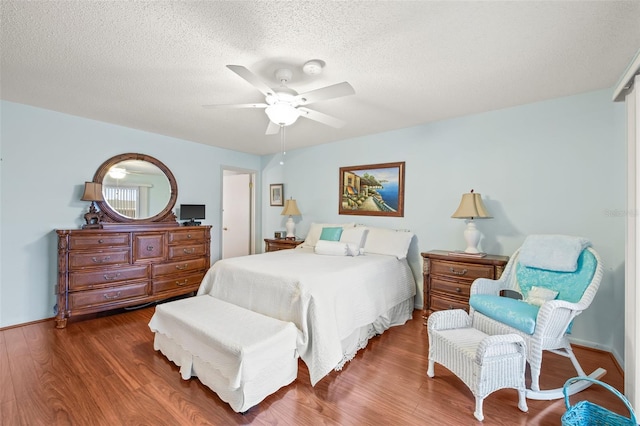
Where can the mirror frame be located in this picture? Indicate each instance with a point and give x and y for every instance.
(166, 216)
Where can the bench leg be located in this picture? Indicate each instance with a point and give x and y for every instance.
(478, 413)
(522, 400)
(430, 369)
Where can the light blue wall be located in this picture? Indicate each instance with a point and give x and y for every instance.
(551, 167)
(46, 158)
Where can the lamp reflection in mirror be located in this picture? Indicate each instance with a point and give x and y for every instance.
(471, 207)
(93, 193)
(117, 172)
(290, 209)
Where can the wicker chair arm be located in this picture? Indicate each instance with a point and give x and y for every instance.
(556, 315)
(500, 344)
(487, 286)
(446, 320)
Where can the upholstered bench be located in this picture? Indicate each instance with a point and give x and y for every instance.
(241, 355)
(484, 363)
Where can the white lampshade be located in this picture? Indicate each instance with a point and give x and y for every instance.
(471, 207)
(282, 113)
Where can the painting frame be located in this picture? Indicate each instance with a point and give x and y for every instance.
(356, 198)
(276, 194)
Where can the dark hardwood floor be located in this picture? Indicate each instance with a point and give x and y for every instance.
(104, 371)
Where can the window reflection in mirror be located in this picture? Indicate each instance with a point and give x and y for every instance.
(136, 189)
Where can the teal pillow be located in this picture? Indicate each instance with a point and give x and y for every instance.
(331, 234)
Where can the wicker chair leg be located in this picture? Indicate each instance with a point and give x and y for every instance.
(478, 413)
(522, 400)
(430, 369)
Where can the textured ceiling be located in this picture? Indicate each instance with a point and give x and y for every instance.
(151, 65)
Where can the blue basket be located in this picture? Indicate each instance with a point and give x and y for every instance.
(587, 413)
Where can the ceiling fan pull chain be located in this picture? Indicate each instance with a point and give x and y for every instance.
(282, 144)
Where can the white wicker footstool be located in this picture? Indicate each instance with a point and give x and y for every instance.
(241, 355)
(484, 363)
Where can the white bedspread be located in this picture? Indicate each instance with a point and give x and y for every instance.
(326, 297)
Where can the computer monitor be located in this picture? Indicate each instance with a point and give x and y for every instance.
(191, 212)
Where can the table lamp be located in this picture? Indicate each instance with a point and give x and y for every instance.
(290, 209)
(471, 207)
(93, 193)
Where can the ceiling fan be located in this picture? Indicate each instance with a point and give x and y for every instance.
(284, 105)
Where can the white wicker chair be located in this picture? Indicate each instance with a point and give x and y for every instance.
(552, 323)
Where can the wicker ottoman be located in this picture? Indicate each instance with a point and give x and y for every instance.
(484, 363)
(241, 355)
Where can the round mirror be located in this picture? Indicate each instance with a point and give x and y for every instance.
(136, 188)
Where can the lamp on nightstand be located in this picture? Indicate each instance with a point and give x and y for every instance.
(471, 207)
(290, 209)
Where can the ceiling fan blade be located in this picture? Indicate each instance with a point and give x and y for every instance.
(272, 128)
(321, 117)
(329, 92)
(253, 79)
(235, 106)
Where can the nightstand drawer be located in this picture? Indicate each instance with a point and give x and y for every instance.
(441, 302)
(457, 288)
(461, 270)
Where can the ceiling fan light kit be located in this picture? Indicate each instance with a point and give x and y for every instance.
(284, 105)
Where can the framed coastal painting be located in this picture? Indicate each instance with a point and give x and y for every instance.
(372, 190)
(276, 194)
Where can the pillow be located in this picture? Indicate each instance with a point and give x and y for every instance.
(388, 241)
(316, 229)
(331, 233)
(356, 236)
(538, 295)
(335, 248)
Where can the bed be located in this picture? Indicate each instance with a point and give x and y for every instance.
(337, 299)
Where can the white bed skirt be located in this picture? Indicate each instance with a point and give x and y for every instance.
(398, 315)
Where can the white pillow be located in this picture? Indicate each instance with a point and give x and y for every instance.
(355, 236)
(538, 295)
(316, 229)
(335, 248)
(388, 241)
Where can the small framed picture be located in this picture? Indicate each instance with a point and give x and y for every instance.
(276, 194)
(279, 235)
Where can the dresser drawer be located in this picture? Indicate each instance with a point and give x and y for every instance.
(92, 298)
(147, 247)
(186, 251)
(456, 288)
(441, 302)
(187, 235)
(179, 267)
(104, 277)
(97, 241)
(461, 270)
(81, 259)
(183, 282)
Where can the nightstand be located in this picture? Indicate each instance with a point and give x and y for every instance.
(271, 244)
(448, 278)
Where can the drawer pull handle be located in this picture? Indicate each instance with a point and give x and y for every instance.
(182, 267)
(450, 306)
(104, 259)
(149, 248)
(108, 277)
(188, 235)
(115, 296)
(458, 290)
(189, 250)
(100, 241)
(454, 272)
(181, 283)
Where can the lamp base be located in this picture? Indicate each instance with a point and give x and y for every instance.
(291, 227)
(472, 237)
(93, 218)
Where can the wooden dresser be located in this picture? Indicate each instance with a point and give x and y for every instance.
(280, 244)
(448, 278)
(119, 266)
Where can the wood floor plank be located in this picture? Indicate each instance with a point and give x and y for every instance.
(104, 371)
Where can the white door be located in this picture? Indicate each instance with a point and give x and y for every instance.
(236, 214)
